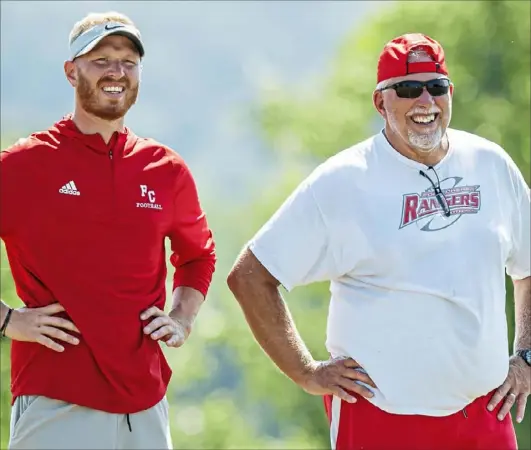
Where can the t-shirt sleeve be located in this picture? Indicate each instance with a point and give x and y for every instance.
(294, 245)
(518, 262)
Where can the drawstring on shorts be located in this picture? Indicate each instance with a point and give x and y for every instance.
(129, 422)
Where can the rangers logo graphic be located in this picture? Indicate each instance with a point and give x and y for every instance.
(425, 211)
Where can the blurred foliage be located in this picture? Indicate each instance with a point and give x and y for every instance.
(225, 393)
(487, 49)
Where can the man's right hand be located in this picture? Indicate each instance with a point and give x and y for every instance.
(337, 376)
(39, 325)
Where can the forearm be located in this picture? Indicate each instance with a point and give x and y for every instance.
(272, 325)
(522, 307)
(185, 306)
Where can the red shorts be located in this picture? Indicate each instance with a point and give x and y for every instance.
(362, 425)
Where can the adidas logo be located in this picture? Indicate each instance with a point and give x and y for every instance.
(70, 189)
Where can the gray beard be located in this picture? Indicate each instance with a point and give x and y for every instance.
(425, 143)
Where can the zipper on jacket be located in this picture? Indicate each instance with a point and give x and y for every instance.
(113, 200)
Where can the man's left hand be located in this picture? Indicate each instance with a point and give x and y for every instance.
(163, 327)
(514, 390)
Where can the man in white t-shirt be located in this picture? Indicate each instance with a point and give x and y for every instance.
(414, 228)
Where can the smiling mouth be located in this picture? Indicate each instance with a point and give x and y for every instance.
(116, 90)
(424, 119)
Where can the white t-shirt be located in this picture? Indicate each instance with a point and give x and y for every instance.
(417, 299)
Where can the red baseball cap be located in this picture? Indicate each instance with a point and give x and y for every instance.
(394, 59)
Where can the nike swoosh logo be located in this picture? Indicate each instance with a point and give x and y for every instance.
(112, 27)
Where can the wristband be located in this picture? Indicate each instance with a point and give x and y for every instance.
(6, 322)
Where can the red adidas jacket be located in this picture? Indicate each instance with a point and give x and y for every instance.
(84, 224)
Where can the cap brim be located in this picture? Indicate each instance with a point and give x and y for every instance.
(84, 48)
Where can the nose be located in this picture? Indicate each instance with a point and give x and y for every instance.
(425, 97)
(116, 69)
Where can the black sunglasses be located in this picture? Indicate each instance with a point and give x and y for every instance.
(413, 89)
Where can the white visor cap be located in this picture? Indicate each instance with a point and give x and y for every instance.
(86, 41)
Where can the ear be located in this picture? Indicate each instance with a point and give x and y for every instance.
(451, 90)
(378, 102)
(71, 72)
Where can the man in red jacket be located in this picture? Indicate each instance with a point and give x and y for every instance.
(86, 207)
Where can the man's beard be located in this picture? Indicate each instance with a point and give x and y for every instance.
(419, 142)
(88, 99)
(425, 143)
